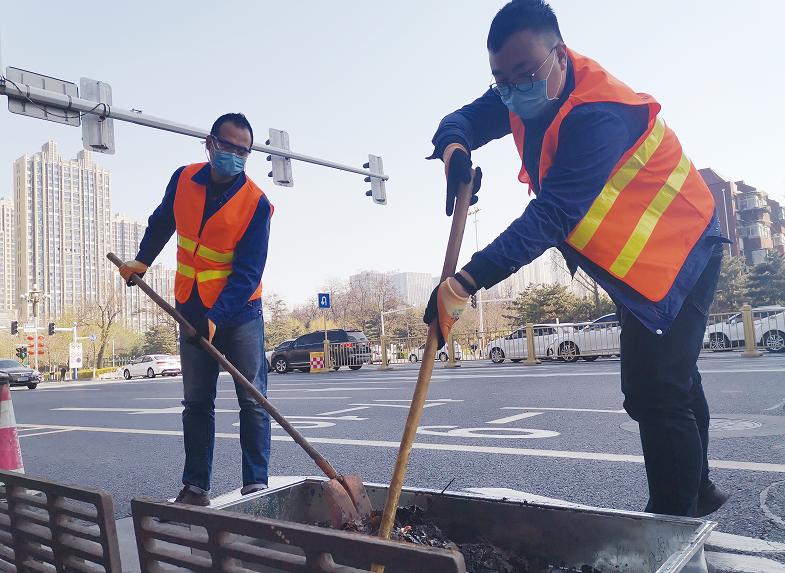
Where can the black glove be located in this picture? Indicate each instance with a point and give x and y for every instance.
(459, 170)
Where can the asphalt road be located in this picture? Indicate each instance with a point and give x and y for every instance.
(554, 430)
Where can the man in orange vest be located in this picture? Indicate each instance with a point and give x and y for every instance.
(616, 194)
(222, 220)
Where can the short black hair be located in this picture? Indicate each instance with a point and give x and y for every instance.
(518, 15)
(236, 118)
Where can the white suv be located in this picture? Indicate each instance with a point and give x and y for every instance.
(416, 354)
(152, 365)
(769, 325)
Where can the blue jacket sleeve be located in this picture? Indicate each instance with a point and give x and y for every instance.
(474, 125)
(592, 140)
(250, 256)
(160, 225)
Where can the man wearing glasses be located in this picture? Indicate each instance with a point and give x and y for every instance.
(222, 221)
(617, 195)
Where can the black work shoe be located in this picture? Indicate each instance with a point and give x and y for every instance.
(710, 499)
(253, 488)
(187, 496)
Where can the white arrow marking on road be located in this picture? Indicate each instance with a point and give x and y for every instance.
(515, 418)
(342, 411)
(504, 433)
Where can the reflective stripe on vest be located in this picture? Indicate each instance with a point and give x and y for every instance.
(186, 243)
(185, 270)
(653, 208)
(204, 276)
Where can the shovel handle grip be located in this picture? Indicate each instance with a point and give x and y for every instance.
(191, 334)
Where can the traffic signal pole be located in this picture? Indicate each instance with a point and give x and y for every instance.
(77, 106)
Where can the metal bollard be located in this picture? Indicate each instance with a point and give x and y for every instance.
(451, 362)
(531, 352)
(385, 365)
(750, 344)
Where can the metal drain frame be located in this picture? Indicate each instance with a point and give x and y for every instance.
(46, 526)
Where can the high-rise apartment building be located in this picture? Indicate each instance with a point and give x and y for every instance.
(748, 217)
(413, 288)
(8, 296)
(63, 228)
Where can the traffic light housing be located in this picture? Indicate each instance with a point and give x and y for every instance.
(474, 300)
(21, 352)
(282, 166)
(378, 189)
(14, 327)
(51, 328)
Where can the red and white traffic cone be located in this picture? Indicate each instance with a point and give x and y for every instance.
(10, 452)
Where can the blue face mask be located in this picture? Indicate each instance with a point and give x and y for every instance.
(227, 164)
(531, 103)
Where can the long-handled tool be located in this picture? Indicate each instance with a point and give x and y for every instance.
(426, 369)
(345, 494)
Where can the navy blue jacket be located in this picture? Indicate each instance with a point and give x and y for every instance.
(592, 139)
(250, 255)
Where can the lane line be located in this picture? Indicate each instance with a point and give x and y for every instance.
(45, 433)
(528, 452)
(564, 409)
(178, 398)
(332, 389)
(777, 406)
(342, 411)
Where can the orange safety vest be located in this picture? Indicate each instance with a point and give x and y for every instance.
(654, 207)
(207, 257)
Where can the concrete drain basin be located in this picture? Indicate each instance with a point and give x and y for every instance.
(604, 539)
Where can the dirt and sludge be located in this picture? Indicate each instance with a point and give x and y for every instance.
(414, 525)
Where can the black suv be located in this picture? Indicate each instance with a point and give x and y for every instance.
(347, 348)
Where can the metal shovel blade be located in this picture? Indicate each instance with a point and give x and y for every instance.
(340, 505)
(353, 484)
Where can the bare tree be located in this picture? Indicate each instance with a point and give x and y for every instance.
(103, 315)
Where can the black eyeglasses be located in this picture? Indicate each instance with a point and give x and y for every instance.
(504, 89)
(224, 145)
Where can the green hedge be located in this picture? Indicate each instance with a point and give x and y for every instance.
(87, 373)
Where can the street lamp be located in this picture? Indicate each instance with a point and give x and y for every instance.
(34, 297)
(396, 311)
(479, 293)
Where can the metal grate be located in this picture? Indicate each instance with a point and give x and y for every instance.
(45, 526)
(180, 538)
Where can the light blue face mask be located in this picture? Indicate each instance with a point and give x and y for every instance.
(532, 102)
(227, 164)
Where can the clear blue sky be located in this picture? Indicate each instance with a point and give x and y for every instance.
(352, 77)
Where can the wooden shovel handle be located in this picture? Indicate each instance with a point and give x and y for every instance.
(426, 367)
(191, 334)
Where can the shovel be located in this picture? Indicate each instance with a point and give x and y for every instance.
(345, 495)
(426, 369)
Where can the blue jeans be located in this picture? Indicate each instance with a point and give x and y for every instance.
(664, 394)
(243, 346)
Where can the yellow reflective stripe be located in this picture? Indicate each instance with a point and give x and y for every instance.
(186, 271)
(643, 230)
(211, 255)
(204, 276)
(585, 230)
(186, 243)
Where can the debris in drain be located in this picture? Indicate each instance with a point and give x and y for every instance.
(414, 526)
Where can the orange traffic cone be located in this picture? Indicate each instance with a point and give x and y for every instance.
(10, 452)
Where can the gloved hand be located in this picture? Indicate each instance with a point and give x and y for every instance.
(458, 169)
(447, 302)
(130, 267)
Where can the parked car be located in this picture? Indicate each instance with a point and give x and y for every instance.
(19, 374)
(152, 365)
(416, 354)
(515, 347)
(347, 348)
(601, 337)
(768, 322)
(269, 354)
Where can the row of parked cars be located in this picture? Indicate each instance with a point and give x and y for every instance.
(347, 348)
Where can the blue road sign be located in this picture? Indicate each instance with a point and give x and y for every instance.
(324, 300)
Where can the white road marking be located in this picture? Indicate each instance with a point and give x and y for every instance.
(464, 448)
(382, 403)
(409, 401)
(342, 411)
(179, 410)
(514, 418)
(178, 398)
(779, 405)
(721, 540)
(45, 433)
(500, 433)
(330, 389)
(764, 506)
(564, 409)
